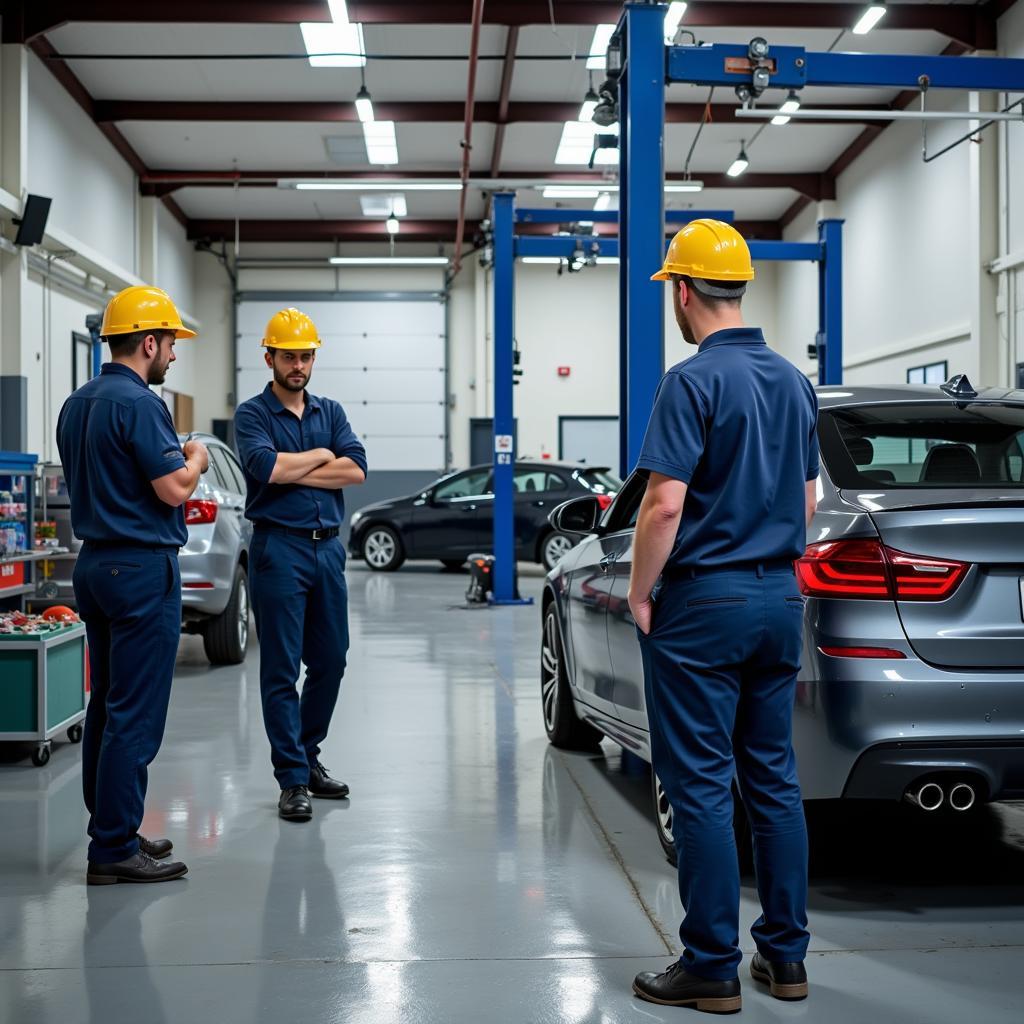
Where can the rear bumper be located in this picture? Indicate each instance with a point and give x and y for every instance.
(886, 771)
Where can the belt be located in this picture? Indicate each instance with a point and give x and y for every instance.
(132, 544)
(691, 572)
(325, 533)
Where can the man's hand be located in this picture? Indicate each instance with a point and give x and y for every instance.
(641, 610)
(196, 451)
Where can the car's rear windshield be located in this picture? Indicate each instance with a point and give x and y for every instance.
(600, 481)
(980, 444)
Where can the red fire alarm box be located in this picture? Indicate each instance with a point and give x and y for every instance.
(564, 371)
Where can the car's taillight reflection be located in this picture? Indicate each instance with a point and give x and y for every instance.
(605, 501)
(199, 511)
(868, 569)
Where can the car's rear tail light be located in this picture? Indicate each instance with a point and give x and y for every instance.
(199, 511)
(605, 501)
(861, 652)
(868, 569)
(197, 586)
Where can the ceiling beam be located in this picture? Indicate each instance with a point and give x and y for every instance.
(507, 70)
(500, 113)
(23, 20)
(375, 231)
(815, 186)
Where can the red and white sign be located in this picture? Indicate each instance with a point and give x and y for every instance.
(564, 371)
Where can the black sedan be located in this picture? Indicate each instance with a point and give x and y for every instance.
(453, 518)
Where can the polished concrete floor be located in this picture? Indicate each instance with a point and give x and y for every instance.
(476, 874)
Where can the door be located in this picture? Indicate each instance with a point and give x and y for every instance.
(538, 490)
(481, 440)
(230, 533)
(622, 642)
(455, 518)
(590, 439)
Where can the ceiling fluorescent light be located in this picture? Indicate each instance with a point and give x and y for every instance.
(610, 260)
(339, 11)
(539, 260)
(791, 106)
(380, 205)
(364, 105)
(577, 143)
(604, 201)
(388, 261)
(599, 47)
(370, 186)
(334, 46)
(869, 19)
(686, 186)
(673, 17)
(739, 165)
(590, 102)
(381, 144)
(570, 192)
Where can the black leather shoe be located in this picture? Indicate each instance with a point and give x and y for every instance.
(140, 868)
(786, 981)
(322, 785)
(155, 848)
(675, 987)
(294, 804)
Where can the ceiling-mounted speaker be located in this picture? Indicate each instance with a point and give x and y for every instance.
(32, 225)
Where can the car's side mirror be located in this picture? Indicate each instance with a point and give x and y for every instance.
(581, 516)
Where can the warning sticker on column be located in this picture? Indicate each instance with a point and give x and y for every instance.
(503, 444)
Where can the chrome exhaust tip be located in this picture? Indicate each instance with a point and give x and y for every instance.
(928, 797)
(962, 797)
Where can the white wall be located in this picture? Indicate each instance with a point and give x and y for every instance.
(93, 189)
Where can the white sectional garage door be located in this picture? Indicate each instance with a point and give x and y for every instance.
(383, 360)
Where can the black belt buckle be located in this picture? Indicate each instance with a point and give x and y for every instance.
(318, 534)
(324, 533)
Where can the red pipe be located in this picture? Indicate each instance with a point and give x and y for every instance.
(467, 148)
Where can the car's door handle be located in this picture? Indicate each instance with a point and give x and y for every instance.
(538, 504)
(608, 561)
(469, 508)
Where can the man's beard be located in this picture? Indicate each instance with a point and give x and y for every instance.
(157, 372)
(684, 325)
(282, 379)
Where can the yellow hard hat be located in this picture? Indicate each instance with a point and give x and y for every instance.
(291, 329)
(709, 250)
(142, 308)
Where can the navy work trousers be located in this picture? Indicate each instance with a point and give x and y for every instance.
(720, 667)
(130, 600)
(300, 600)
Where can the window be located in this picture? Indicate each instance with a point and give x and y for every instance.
(228, 469)
(600, 481)
(932, 373)
(532, 481)
(466, 485)
(925, 445)
(623, 513)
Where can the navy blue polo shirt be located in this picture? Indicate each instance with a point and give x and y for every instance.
(263, 428)
(738, 424)
(116, 436)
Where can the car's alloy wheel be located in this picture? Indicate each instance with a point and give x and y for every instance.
(226, 636)
(563, 726)
(663, 817)
(556, 547)
(382, 549)
(242, 622)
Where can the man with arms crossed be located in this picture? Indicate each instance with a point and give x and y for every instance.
(298, 453)
(732, 454)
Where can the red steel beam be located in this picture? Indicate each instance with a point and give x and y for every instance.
(467, 135)
(972, 25)
(508, 68)
(500, 113)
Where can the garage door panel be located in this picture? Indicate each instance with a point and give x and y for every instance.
(387, 453)
(352, 386)
(351, 318)
(388, 418)
(357, 352)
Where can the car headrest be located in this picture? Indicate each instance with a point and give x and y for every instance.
(951, 464)
(861, 450)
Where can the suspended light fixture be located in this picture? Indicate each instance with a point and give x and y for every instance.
(791, 106)
(673, 16)
(739, 165)
(869, 19)
(364, 105)
(392, 225)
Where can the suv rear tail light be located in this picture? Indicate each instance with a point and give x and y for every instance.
(198, 512)
(885, 653)
(867, 569)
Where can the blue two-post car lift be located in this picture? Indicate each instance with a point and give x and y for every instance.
(647, 66)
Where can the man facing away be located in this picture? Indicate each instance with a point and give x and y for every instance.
(299, 453)
(128, 478)
(732, 454)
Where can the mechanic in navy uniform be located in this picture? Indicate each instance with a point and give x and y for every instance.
(732, 456)
(299, 453)
(128, 478)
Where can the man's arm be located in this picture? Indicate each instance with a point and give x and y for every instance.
(176, 488)
(656, 528)
(334, 475)
(811, 499)
(293, 467)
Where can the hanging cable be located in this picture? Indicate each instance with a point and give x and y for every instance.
(970, 136)
(703, 121)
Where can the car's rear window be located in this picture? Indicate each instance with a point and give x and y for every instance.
(980, 444)
(600, 481)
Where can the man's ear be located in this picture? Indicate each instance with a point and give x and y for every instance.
(269, 359)
(150, 345)
(684, 292)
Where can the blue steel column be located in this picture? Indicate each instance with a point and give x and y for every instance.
(624, 466)
(643, 121)
(830, 302)
(505, 586)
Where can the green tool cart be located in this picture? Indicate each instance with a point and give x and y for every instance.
(42, 687)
